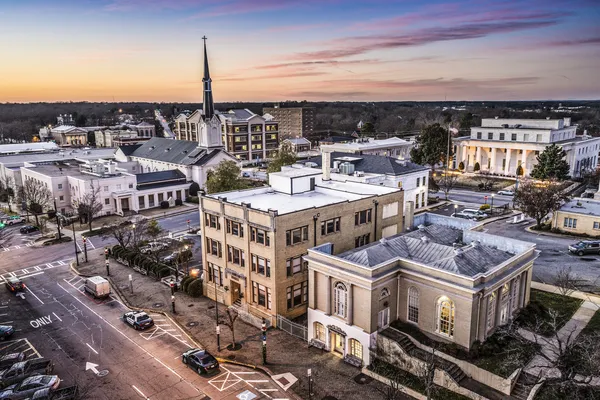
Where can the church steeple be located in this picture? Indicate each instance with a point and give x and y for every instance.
(207, 103)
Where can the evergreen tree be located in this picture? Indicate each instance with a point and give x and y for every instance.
(551, 164)
(432, 146)
(476, 167)
(225, 177)
(285, 156)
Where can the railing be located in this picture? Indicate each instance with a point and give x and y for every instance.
(294, 329)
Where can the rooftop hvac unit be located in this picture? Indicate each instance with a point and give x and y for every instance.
(359, 173)
(347, 168)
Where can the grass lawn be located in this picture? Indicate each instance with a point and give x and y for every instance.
(538, 310)
(490, 356)
(592, 326)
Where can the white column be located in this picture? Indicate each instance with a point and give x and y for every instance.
(493, 160)
(328, 291)
(478, 156)
(350, 314)
(507, 165)
(523, 161)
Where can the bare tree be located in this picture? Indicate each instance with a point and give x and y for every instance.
(447, 182)
(89, 205)
(539, 200)
(566, 281)
(486, 180)
(393, 389)
(426, 372)
(128, 234)
(231, 315)
(36, 196)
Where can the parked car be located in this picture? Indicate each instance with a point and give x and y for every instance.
(138, 319)
(17, 219)
(506, 192)
(29, 386)
(6, 331)
(153, 247)
(14, 284)
(97, 286)
(585, 247)
(200, 361)
(7, 360)
(29, 229)
(461, 215)
(24, 369)
(68, 393)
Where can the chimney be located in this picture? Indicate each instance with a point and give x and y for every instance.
(326, 165)
(567, 121)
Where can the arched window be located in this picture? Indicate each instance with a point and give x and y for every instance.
(320, 332)
(340, 299)
(514, 296)
(413, 304)
(356, 349)
(445, 324)
(491, 313)
(384, 293)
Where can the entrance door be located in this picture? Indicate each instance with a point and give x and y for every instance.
(338, 343)
(235, 291)
(125, 204)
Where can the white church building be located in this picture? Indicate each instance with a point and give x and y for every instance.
(500, 146)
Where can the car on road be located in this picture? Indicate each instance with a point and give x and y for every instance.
(29, 229)
(29, 386)
(585, 247)
(461, 215)
(200, 361)
(138, 319)
(16, 219)
(153, 247)
(14, 284)
(7, 360)
(6, 331)
(506, 193)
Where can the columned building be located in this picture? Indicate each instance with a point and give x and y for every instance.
(500, 146)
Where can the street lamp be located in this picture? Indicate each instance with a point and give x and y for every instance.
(57, 221)
(492, 209)
(217, 314)
(75, 241)
(187, 260)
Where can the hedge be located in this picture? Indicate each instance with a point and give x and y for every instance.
(185, 282)
(194, 289)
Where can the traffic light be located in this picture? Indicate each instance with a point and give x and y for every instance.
(83, 238)
(106, 253)
(264, 330)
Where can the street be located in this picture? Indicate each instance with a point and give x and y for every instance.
(474, 198)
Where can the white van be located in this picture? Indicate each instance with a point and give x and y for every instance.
(97, 286)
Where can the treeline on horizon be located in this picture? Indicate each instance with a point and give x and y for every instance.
(21, 121)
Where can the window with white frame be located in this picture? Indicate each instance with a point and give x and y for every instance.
(106, 188)
(261, 265)
(596, 224)
(235, 256)
(259, 236)
(514, 295)
(215, 274)
(570, 222)
(340, 299)
(491, 311)
(107, 202)
(504, 303)
(445, 312)
(261, 295)
(362, 217)
(60, 186)
(330, 226)
(298, 235)
(413, 304)
(356, 349)
(295, 265)
(297, 295)
(212, 221)
(383, 318)
(320, 332)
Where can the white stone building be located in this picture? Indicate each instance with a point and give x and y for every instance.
(391, 147)
(500, 146)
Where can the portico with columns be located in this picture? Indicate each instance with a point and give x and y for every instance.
(501, 160)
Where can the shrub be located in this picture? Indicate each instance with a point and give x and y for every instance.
(476, 167)
(194, 189)
(484, 207)
(461, 166)
(163, 271)
(193, 199)
(178, 202)
(185, 282)
(164, 204)
(194, 289)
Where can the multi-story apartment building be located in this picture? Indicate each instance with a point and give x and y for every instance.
(294, 122)
(500, 146)
(249, 136)
(255, 240)
(454, 283)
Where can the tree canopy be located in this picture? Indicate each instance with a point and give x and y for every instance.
(225, 177)
(432, 146)
(551, 164)
(285, 156)
(537, 200)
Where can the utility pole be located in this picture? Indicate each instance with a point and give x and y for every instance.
(106, 260)
(57, 220)
(217, 314)
(84, 247)
(264, 341)
(310, 384)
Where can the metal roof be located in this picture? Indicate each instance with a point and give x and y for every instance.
(372, 164)
(182, 152)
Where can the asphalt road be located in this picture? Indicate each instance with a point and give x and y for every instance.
(178, 222)
(474, 198)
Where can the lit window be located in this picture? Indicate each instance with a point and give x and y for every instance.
(445, 310)
(356, 349)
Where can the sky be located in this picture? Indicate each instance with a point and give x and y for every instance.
(315, 50)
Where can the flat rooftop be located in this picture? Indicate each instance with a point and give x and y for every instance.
(582, 206)
(434, 246)
(63, 155)
(325, 194)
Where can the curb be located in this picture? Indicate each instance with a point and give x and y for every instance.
(557, 235)
(264, 370)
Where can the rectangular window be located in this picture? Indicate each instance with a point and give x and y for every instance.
(261, 265)
(596, 225)
(161, 197)
(362, 240)
(478, 135)
(235, 228)
(330, 226)
(260, 236)
(570, 223)
(295, 236)
(212, 221)
(119, 187)
(131, 186)
(141, 201)
(215, 274)
(490, 136)
(106, 188)
(257, 147)
(422, 199)
(169, 195)
(151, 200)
(214, 247)
(513, 137)
(501, 135)
(297, 295)
(295, 265)
(418, 182)
(235, 256)
(526, 137)
(362, 217)
(106, 201)
(389, 210)
(60, 186)
(261, 295)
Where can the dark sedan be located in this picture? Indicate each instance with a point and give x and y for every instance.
(14, 285)
(200, 361)
(29, 229)
(6, 331)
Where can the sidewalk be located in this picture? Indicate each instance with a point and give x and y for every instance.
(157, 213)
(285, 353)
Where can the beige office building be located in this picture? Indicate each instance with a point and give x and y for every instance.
(255, 240)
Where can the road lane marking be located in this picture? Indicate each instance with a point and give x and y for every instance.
(57, 317)
(91, 348)
(140, 392)
(129, 339)
(29, 290)
(6, 322)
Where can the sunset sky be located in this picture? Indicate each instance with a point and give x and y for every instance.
(275, 50)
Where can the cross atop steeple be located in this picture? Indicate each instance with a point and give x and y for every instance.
(207, 103)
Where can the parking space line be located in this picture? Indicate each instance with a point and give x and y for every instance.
(6, 322)
(91, 348)
(34, 295)
(57, 317)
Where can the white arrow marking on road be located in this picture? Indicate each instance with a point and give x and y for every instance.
(21, 295)
(92, 366)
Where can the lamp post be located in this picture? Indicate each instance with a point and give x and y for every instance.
(187, 260)
(75, 242)
(57, 220)
(173, 304)
(310, 384)
(455, 208)
(492, 209)
(217, 314)
(84, 247)
(264, 341)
